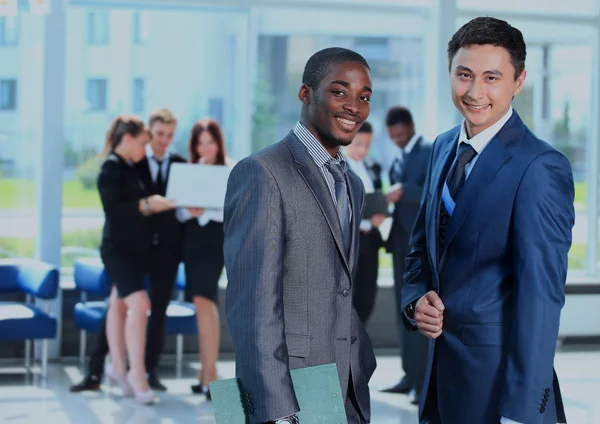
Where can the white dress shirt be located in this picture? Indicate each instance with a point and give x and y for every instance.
(153, 164)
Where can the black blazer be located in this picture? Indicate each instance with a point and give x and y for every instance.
(120, 189)
(165, 229)
(372, 241)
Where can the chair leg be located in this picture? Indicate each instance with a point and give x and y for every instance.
(82, 343)
(179, 354)
(44, 358)
(28, 356)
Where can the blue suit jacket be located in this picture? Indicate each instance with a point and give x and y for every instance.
(501, 276)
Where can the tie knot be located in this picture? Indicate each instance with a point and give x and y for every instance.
(158, 161)
(466, 153)
(337, 169)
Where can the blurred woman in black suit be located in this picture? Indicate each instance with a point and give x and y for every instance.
(126, 242)
(203, 252)
(365, 283)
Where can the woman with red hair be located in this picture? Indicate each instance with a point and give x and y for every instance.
(203, 252)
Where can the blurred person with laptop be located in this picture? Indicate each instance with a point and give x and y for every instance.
(203, 247)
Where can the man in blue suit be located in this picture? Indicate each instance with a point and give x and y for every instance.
(488, 262)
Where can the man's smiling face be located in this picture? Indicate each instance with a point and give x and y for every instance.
(483, 83)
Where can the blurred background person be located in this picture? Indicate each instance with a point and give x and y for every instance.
(165, 253)
(365, 283)
(166, 232)
(407, 177)
(124, 250)
(203, 252)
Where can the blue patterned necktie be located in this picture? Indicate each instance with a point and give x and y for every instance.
(455, 181)
(341, 194)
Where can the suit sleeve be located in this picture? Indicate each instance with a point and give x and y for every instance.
(253, 249)
(109, 188)
(417, 273)
(543, 218)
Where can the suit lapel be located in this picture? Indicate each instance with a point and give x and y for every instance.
(438, 177)
(493, 158)
(354, 193)
(317, 185)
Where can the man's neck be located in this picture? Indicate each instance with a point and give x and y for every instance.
(158, 155)
(332, 150)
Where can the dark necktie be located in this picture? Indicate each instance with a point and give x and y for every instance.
(341, 194)
(455, 182)
(160, 182)
(456, 177)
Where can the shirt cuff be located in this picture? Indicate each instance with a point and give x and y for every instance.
(183, 214)
(365, 225)
(505, 420)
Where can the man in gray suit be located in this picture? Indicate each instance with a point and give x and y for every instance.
(407, 176)
(292, 217)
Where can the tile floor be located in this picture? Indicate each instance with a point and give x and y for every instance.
(30, 400)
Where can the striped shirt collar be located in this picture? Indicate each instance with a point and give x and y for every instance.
(316, 150)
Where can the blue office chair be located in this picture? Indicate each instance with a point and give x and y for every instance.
(25, 320)
(90, 278)
(181, 316)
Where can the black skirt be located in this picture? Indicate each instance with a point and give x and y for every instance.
(126, 269)
(203, 258)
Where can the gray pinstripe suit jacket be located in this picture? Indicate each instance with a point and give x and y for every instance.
(289, 301)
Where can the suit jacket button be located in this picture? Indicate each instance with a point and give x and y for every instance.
(353, 339)
(345, 292)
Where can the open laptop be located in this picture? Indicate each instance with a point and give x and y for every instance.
(194, 185)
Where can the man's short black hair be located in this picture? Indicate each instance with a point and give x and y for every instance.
(485, 30)
(320, 64)
(398, 115)
(366, 128)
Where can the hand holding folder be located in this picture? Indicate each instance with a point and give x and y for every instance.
(317, 390)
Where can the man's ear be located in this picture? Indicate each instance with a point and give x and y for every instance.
(520, 82)
(305, 94)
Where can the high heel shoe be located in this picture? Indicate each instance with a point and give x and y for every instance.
(145, 398)
(200, 389)
(121, 380)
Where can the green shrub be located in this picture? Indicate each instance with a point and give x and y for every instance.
(87, 173)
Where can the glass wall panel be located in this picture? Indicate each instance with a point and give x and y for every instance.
(21, 84)
(184, 60)
(559, 7)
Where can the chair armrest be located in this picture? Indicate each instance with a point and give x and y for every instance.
(37, 278)
(90, 277)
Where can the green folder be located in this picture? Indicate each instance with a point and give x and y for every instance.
(317, 390)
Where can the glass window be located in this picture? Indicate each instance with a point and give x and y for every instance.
(8, 94)
(195, 79)
(98, 26)
(21, 85)
(573, 7)
(140, 27)
(9, 30)
(560, 115)
(137, 101)
(396, 68)
(96, 94)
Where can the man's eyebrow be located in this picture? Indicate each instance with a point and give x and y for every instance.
(347, 84)
(341, 82)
